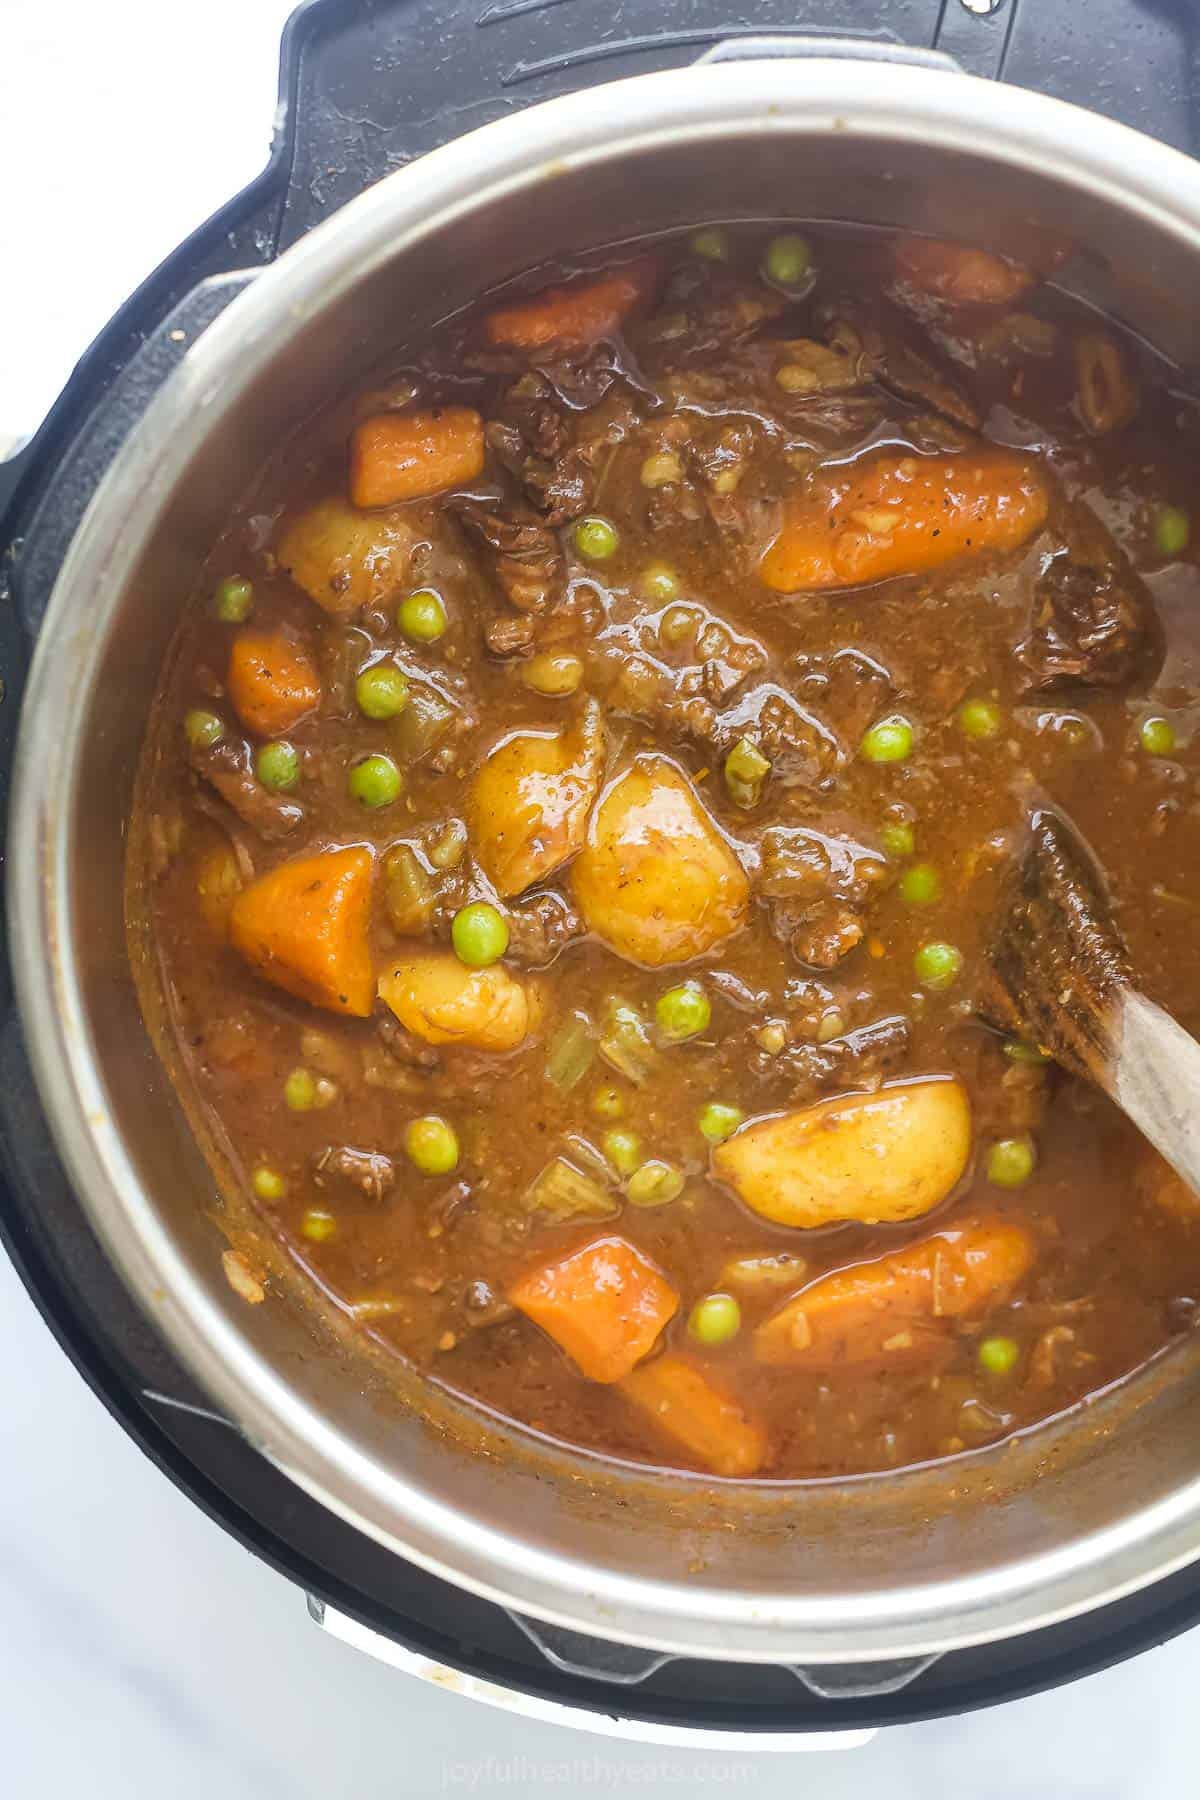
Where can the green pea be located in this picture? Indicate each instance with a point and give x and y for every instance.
(479, 934)
(899, 841)
(712, 244)
(998, 1355)
(718, 1121)
(683, 1012)
(203, 729)
(277, 766)
(432, 1145)
(623, 1150)
(655, 1183)
(1010, 1162)
(1019, 1052)
(268, 1183)
(921, 885)
(889, 741)
(787, 261)
(233, 601)
(421, 616)
(596, 539)
(375, 781)
(937, 965)
(318, 1226)
(980, 719)
(658, 582)
(300, 1091)
(716, 1319)
(746, 769)
(1158, 736)
(381, 690)
(608, 1103)
(1172, 530)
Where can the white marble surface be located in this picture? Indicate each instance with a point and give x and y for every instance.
(142, 1652)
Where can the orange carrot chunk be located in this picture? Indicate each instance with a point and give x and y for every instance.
(576, 314)
(687, 1407)
(408, 456)
(898, 1309)
(903, 515)
(959, 274)
(304, 927)
(272, 682)
(605, 1305)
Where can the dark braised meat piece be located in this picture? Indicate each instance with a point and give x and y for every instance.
(525, 555)
(540, 928)
(370, 1171)
(882, 346)
(485, 1305)
(226, 766)
(817, 890)
(508, 636)
(705, 309)
(856, 1060)
(405, 1046)
(801, 749)
(848, 689)
(1091, 627)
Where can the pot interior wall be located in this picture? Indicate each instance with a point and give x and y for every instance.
(824, 1544)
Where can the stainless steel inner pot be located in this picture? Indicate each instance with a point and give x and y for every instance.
(902, 1566)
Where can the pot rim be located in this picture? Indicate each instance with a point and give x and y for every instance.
(785, 98)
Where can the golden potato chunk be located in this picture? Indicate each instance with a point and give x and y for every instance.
(530, 801)
(345, 559)
(875, 1158)
(656, 879)
(439, 999)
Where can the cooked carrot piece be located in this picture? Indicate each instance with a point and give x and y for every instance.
(408, 456)
(689, 1408)
(903, 515)
(576, 314)
(604, 1305)
(896, 1309)
(959, 274)
(304, 927)
(272, 682)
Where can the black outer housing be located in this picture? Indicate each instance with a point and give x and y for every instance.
(365, 86)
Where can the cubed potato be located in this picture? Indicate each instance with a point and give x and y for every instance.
(442, 1001)
(530, 801)
(655, 878)
(874, 1158)
(345, 559)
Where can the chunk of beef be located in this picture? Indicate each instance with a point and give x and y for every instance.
(540, 928)
(858, 1059)
(817, 888)
(881, 344)
(227, 767)
(507, 636)
(1091, 626)
(849, 689)
(370, 1171)
(801, 749)
(705, 309)
(408, 1049)
(525, 555)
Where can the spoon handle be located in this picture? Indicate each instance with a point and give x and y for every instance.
(1155, 1077)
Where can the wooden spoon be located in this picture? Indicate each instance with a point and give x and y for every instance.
(1059, 975)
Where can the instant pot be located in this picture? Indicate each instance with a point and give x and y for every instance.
(683, 1609)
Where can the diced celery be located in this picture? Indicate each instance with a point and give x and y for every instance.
(571, 1051)
(625, 1043)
